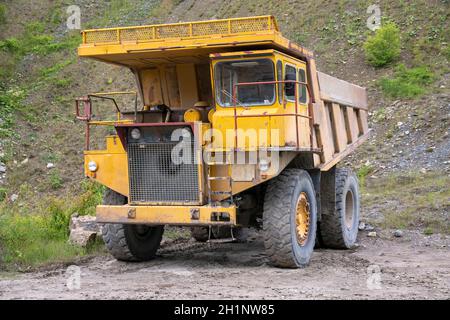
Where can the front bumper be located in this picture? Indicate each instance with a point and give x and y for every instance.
(170, 215)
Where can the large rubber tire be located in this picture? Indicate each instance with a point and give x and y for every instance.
(339, 230)
(279, 219)
(201, 234)
(128, 242)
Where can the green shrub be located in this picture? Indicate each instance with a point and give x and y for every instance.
(363, 172)
(407, 83)
(56, 181)
(384, 46)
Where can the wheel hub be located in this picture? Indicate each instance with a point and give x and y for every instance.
(142, 231)
(349, 209)
(302, 218)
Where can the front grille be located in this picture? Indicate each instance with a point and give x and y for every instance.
(154, 177)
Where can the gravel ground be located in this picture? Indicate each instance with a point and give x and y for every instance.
(410, 267)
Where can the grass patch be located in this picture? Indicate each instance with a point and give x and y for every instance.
(53, 70)
(175, 233)
(407, 83)
(51, 75)
(412, 201)
(379, 115)
(37, 235)
(3, 193)
(55, 180)
(363, 172)
(384, 46)
(35, 40)
(10, 101)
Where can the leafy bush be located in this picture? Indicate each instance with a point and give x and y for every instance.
(363, 172)
(407, 83)
(55, 180)
(384, 46)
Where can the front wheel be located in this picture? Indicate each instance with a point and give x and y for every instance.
(290, 219)
(128, 242)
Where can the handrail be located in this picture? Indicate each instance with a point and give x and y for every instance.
(87, 113)
(105, 96)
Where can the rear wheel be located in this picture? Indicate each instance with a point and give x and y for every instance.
(200, 234)
(290, 219)
(129, 242)
(339, 228)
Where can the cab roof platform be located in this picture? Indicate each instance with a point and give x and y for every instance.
(191, 42)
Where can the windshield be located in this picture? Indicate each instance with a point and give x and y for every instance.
(228, 74)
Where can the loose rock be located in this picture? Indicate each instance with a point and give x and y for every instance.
(83, 230)
(14, 197)
(398, 233)
(82, 237)
(372, 234)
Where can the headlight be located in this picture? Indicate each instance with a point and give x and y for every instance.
(92, 166)
(264, 165)
(136, 134)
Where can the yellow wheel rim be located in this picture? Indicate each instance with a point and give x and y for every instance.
(302, 219)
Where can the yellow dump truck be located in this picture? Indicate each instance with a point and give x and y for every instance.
(235, 127)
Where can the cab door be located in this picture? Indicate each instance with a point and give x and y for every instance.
(295, 101)
(290, 107)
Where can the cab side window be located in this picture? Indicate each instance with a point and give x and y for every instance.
(280, 78)
(290, 74)
(303, 90)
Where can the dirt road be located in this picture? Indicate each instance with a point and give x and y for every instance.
(413, 266)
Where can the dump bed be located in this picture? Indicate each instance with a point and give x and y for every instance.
(340, 119)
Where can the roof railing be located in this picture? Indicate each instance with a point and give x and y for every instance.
(198, 29)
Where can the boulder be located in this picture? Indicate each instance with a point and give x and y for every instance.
(83, 230)
(398, 233)
(82, 237)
